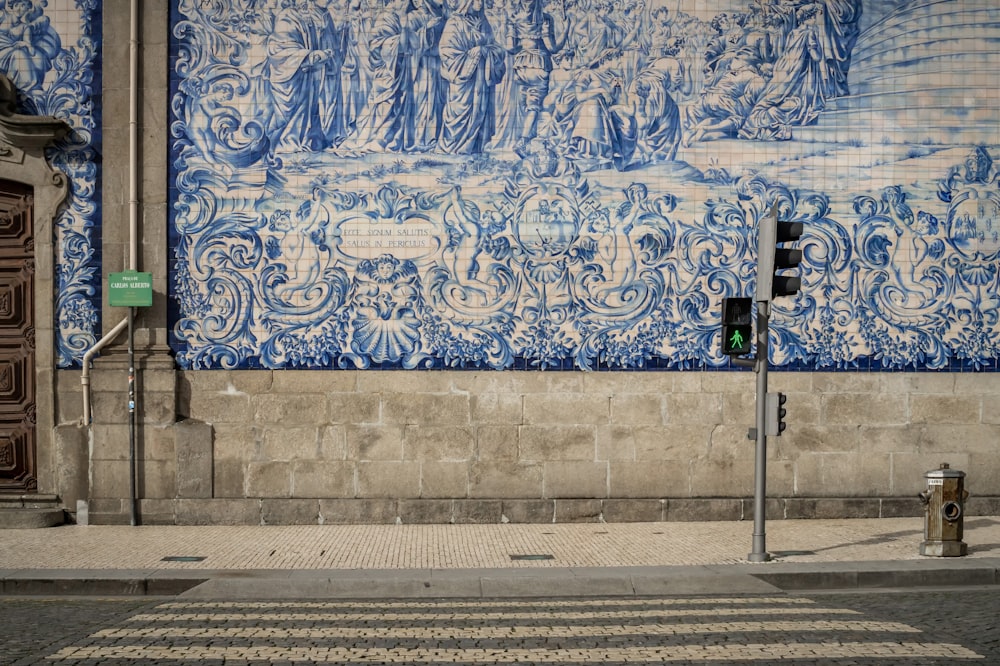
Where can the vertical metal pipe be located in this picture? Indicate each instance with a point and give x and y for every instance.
(133, 224)
(132, 462)
(133, 137)
(759, 552)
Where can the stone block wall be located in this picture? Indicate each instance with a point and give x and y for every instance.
(290, 447)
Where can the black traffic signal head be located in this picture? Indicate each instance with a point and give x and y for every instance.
(737, 326)
(774, 424)
(771, 260)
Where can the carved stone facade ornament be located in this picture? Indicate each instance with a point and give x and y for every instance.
(28, 133)
(27, 219)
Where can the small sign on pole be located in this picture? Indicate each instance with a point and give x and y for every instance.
(130, 289)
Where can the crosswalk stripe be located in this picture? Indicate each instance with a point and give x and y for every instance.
(459, 632)
(497, 603)
(539, 614)
(770, 651)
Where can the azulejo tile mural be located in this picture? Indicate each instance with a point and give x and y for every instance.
(50, 51)
(576, 184)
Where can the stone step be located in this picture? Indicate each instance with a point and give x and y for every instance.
(30, 501)
(30, 511)
(22, 519)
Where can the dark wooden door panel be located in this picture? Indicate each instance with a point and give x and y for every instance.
(16, 300)
(16, 238)
(17, 457)
(17, 340)
(17, 381)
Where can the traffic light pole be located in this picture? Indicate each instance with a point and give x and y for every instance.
(759, 552)
(770, 284)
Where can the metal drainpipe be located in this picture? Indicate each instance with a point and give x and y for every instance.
(133, 202)
(133, 217)
(87, 358)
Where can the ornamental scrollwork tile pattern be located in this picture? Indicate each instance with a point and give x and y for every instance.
(545, 184)
(50, 51)
(573, 185)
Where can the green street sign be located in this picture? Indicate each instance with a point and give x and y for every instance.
(131, 289)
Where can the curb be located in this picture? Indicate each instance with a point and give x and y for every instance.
(504, 583)
(880, 579)
(111, 585)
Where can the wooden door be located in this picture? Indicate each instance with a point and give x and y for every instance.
(17, 340)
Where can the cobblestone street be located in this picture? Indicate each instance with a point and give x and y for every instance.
(911, 628)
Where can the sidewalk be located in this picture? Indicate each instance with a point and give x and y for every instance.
(382, 561)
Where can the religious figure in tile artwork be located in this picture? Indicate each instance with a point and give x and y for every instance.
(721, 110)
(206, 110)
(429, 89)
(840, 33)
(801, 54)
(305, 54)
(533, 42)
(658, 118)
(28, 43)
(355, 73)
(467, 77)
(795, 95)
(591, 125)
(613, 247)
(472, 63)
(390, 109)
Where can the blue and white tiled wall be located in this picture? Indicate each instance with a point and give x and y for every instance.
(576, 183)
(50, 49)
(561, 184)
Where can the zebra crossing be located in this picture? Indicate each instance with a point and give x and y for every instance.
(685, 630)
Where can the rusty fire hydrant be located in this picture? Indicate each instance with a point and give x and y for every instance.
(944, 511)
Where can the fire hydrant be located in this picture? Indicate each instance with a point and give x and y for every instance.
(944, 511)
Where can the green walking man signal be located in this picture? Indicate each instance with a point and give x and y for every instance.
(736, 339)
(737, 326)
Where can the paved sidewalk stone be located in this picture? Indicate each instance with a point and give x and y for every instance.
(473, 546)
(365, 561)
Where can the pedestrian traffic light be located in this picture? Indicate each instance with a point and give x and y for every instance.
(775, 422)
(737, 326)
(771, 283)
